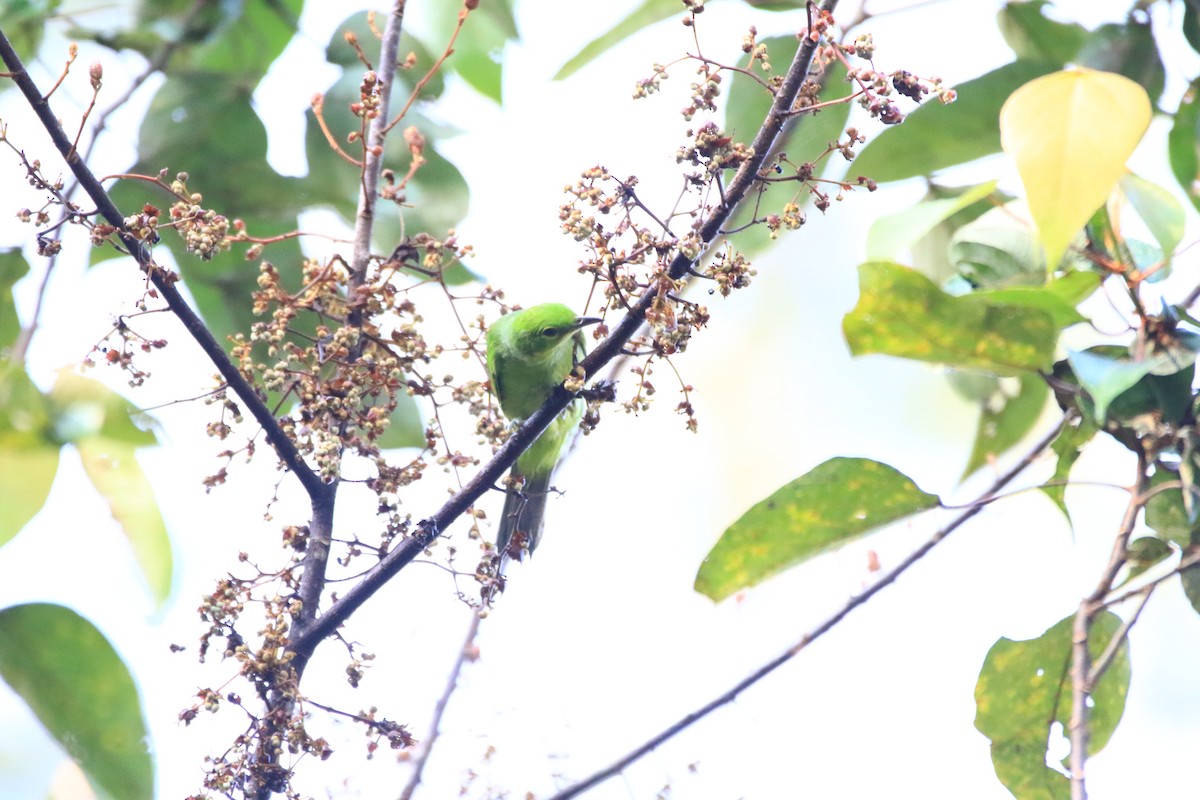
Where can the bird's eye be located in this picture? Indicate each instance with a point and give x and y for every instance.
(549, 332)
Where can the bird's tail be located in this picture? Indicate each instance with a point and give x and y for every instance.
(521, 521)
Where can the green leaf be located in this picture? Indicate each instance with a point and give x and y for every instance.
(891, 236)
(1074, 287)
(28, 465)
(243, 45)
(101, 425)
(1025, 685)
(117, 476)
(837, 501)
(1109, 373)
(938, 136)
(997, 250)
(24, 23)
(205, 125)
(28, 455)
(1183, 143)
(1126, 49)
(1191, 23)
(1070, 135)
(1032, 36)
(86, 408)
(645, 15)
(749, 101)
(13, 267)
(80, 690)
(931, 253)
(1159, 209)
(478, 48)
(1057, 298)
(1067, 447)
(973, 386)
(406, 427)
(902, 313)
(1005, 420)
(1190, 580)
(1166, 513)
(1144, 552)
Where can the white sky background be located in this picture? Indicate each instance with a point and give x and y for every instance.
(600, 641)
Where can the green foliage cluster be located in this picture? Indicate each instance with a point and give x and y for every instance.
(981, 298)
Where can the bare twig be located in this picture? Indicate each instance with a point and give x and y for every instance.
(1190, 560)
(1078, 728)
(437, 65)
(1114, 644)
(466, 653)
(824, 627)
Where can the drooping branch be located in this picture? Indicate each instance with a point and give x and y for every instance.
(608, 349)
(163, 280)
(824, 627)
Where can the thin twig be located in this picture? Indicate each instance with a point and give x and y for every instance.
(824, 627)
(1078, 729)
(437, 65)
(466, 653)
(1114, 644)
(1190, 561)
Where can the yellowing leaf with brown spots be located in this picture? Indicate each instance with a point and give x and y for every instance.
(837, 501)
(1070, 134)
(901, 312)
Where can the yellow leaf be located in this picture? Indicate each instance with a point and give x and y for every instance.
(1070, 134)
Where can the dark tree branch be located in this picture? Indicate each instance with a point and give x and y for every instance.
(824, 627)
(163, 280)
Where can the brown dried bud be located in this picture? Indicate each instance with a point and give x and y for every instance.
(415, 140)
(96, 73)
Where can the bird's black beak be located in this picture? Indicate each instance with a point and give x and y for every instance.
(583, 322)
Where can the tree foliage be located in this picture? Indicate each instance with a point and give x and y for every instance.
(329, 359)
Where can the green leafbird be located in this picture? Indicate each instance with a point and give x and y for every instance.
(529, 354)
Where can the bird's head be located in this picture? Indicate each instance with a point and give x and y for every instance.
(542, 329)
